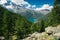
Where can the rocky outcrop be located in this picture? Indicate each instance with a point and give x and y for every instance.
(52, 30)
(57, 35)
(51, 33)
(40, 36)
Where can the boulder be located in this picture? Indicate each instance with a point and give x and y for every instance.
(34, 35)
(52, 30)
(57, 35)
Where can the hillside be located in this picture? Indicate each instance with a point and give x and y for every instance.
(51, 33)
(10, 23)
(52, 18)
(14, 24)
(54, 15)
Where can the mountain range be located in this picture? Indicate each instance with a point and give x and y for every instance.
(31, 15)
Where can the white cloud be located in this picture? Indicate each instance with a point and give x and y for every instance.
(33, 6)
(43, 9)
(17, 2)
(2, 1)
(21, 2)
(28, 6)
(45, 6)
(9, 7)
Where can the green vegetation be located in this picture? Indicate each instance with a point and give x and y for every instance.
(14, 24)
(54, 16)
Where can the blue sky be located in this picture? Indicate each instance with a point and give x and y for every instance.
(39, 3)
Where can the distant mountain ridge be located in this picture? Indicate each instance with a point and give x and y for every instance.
(31, 15)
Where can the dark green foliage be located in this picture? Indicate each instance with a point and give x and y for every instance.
(42, 29)
(13, 24)
(54, 15)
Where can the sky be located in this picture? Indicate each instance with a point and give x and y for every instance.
(31, 4)
(39, 3)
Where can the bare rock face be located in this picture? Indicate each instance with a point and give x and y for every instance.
(58, 26)
(52, 30)
(40, 36)
(54, 34)
(33, 36)
(57, 35)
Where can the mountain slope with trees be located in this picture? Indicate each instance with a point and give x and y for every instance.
(52, 18)
(14, 24)
(11, 23)
(54, 15)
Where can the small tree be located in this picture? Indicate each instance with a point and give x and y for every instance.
(42, 27)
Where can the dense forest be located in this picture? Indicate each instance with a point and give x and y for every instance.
(14, 24)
